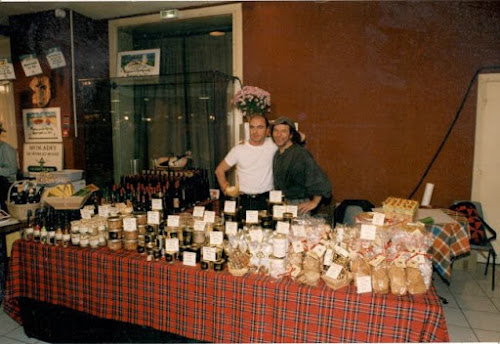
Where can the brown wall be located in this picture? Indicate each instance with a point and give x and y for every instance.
(375, 85)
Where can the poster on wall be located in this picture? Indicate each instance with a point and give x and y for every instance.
(139, 63)
(6, 69)
(42, 125)
(42, 156)
(55, 58)
(31, 65)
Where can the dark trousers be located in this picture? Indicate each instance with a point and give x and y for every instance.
(4, 190)
(254, 202)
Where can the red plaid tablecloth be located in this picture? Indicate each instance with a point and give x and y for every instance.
(451, 240)
(214, 306)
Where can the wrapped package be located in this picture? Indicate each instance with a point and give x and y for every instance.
(343, 280)
(311, 271)
(397, 277)
(380, 279)
(415, 281)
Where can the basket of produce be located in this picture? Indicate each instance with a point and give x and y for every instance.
(62, 196)
(23, 196)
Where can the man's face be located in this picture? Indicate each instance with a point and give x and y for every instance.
(282, 135)
(257, 130)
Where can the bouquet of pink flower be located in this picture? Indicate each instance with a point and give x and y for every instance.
(252, 100)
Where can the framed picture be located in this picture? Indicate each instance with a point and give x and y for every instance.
(42, 125)
(139, 62)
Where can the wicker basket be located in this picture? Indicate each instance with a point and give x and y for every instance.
(20, 211)
(236, 272)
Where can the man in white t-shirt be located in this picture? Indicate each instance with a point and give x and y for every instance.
(254, 166)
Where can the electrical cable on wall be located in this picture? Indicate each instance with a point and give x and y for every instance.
(452, 125)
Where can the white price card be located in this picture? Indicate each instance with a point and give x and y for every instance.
(199, 226)
(130, 224)
(334, 271)
(189, 258)
(278, 211)
(86, 214)
(209, 254)
(364, 284)
(283, 227)
(298, 246)
(256, 235)
(378, 219)
(172, 245)
(173, 221)
(292, 209)
(230, 207)
(55, 58)
(156, 204)
(299, 231)
(231, 228)
(341, 251)
(319, 250)
(328, 257)
(275, 196)
(368, 232)
(252, 216)
(198, 211)
(216, 238)
(153, 218)
(400, 262)
(377, 260)
(103, 210)
(340, 234)
(209, 216)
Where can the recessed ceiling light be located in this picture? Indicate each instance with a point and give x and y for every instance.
(217, 33)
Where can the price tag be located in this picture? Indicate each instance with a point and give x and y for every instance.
(295, 271)
(334, 271)
(364, 284)
(230, 207)
(86, 214)
(378, 219)
(298, 246)
(231, 228)
(377, 260)
(198, 211)
(340, 234)
(216, 238)
(129, 224)
(400, 262)
(189, 258)
(256, 235)
(156, 204)
(328, 257)
(299, 231)
(319, 250)
(173, 221)
(209, 254)
(153, 218)
(172, 245)
(278, 211)
(413, 263)
(368, 232)
(199, 226)
(275, 196)
(103, 210)
(252, 216)
(292, 209)
(341, 251)
(283, 227)
(209, 216)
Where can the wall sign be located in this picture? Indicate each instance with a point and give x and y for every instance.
(42, 125)
(42, 155)
(31, 65)
(55, 58)
(139, 62)
(6, 69)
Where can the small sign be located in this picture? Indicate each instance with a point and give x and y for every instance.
(209, 216)
(328, 260)
(230, 207)
(368, 232)
(364, 284)
(138, 63)
(256, 235)
(292, 209)
(216, 238)
(86, 214)
(153, 218)
(298, 246)
(6, 69)
(334, 271)
(341, 251)
(283, 227)
(156, 204)
(31, 65)
(173, 221)
(199, 226)
(209, 254)
(55, 58)
(278, 211)
(130, 224)
(172, 245)
(252, 216)
(378, 219)
(42, 125)
(189, 258)
(198, 211)
(275, 196)
(319, 250)
(49, 155)
(231, 228)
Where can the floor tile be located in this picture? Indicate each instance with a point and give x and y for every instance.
(476, 303)
(469, 287)
(454, 316)
(7, 324)
(483, 320)
(19, 334)
(487, 336)
(461, 334)
(496, 302)
(7, 340)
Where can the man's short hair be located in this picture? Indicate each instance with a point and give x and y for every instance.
(259, 115)
(291, 124)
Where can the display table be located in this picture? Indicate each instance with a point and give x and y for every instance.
(213, 306)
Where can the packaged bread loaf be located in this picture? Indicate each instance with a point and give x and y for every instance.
(415, 281)
(380, 279)
(397, 277)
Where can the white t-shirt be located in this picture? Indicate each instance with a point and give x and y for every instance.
(254, 165)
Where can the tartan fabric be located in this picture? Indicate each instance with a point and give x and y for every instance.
(214, 306)
(451, 240)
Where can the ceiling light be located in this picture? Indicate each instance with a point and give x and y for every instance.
(217, 33)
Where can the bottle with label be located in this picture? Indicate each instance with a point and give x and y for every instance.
(31, 195)
(37, 226)
(66, 232)
(59, 232)
(28, 231)
(43, 230)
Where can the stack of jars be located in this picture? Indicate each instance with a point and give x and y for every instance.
(89, 232)
(115, 232)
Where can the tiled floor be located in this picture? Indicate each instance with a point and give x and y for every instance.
(472, 312)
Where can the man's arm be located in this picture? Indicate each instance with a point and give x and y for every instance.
(309, 205)
(220, 173)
